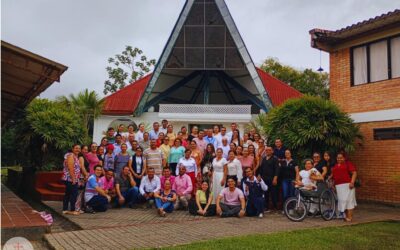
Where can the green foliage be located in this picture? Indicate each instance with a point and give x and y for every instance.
(8, 149)
(126, 68)
(306, 81)
(87, 104)
(57, 124)
(310, 124)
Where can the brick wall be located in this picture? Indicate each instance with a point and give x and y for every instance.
(360, 98)
(378, 165)
(378, 162)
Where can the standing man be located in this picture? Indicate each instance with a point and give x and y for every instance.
(156, 130)
(233, 128)
(117, 144)
(211, 139)
(269, 172)
(153, 158)
(164, 126)
(221, 136)
(279, 150)
(145, 143)
(110, 135)
(139, 134)
(201, 143)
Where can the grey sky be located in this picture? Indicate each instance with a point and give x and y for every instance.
(82, 34)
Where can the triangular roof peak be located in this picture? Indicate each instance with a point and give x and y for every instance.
(206, 54)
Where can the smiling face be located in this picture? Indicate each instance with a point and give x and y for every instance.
(288, 154)
(231, 183)
(109, 175)
(98, 171)
(204, 186)
(76, 149)
(124, 148)
(308, 165)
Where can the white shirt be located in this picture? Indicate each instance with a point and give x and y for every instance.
(225, 150)
(190, 165)
(264, 186)
(147, 186)
(164, 130)
(305, 177)
(235, 168)
(139, 136)
(139, 164)
(219, 138)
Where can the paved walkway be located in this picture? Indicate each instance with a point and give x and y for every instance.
(140, 228)
(17, 218)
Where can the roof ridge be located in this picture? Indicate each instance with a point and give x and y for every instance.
(279, 80)
(130, 84)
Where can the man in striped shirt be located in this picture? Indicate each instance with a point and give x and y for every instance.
(153, 158)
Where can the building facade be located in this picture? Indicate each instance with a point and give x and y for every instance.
(365, 82)
(204, 76)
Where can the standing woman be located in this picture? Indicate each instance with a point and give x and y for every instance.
(176, 153)
(104, 142)
(236, 137)
(170, 134)
(218, 181)
(197, 155)
(100, 154)
(252, 150)
(194, 134)
(239, 152)
(122, 159)
(288, 171)
(185, 143)
(165, 149)
(185, 135)
(191, 168)
(245, 141)
(216, 130)
(247, 160)
(84, 165)
(233, 168)
(206, 163)
(109, 158)
(137, 166)
(344, 175)
(328, 162)
(70, 177)
(160, 139)
(320, 165)
(92, 158)
(82, 157)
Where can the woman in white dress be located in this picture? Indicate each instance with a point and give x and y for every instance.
(218, 182)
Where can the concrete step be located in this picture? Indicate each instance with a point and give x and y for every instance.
(56, 187)
(49, 195)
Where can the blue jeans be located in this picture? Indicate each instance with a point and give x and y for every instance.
(166, 206)
(131, 195)
(287, 189)
(70, 196)
(98, 203)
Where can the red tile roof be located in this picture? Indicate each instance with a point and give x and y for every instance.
(125, 101)
(277, 90)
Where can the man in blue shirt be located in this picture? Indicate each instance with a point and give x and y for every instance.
(211, 139)
(156, 130)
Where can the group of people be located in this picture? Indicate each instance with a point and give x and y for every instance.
(207, 172)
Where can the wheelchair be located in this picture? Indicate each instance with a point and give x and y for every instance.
(298, 207)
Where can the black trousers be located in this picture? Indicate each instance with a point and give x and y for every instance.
(272, 193)
(211, 210)
(70, 196)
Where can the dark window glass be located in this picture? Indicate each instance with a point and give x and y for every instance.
(387, 133)
(176, 60)
(195, 58)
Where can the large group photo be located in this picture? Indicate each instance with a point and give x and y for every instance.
(200, 124)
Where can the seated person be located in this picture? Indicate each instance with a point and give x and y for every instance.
(307, 178)
(165, 199)
(202, 205)
(234, 203)
(150, 184)
(107, 183)
(183, 188)
(166, 175)
(126, 189)
(254, 189)
(95, 197)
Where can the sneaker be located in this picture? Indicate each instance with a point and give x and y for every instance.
(89, 210)
(261, 215)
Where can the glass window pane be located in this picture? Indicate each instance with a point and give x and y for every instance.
(194, 36)
(176, 59)
(360, 65)
(233, 59)
(214, 58)
(215, 36)
(378, 61)
(213, 16)
(395, 56)
(196, 15)
(195, 58)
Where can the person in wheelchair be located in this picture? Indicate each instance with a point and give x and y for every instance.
(307, 178)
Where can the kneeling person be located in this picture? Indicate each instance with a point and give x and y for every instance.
(234, 203)
(149, 186)
(125, 186)
(183, 187)
(254, 189)
(165, 199)
(95, 197)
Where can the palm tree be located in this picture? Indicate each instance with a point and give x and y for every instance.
(87, 104)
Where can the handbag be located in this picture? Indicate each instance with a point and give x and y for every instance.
(357, 182)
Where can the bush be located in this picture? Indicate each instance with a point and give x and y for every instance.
(311, 124)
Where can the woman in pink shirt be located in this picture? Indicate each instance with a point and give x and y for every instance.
(92, 158)
(247, 160)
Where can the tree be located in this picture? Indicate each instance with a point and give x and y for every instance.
(46, 131)
(126, 68)
(306, 81)
(87, 104)
(310, 124)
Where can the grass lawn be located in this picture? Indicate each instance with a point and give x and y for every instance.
(377, 235)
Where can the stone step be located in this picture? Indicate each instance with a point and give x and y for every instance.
(56, 187)
(49, 195)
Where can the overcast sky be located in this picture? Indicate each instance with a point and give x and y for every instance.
(82, 34)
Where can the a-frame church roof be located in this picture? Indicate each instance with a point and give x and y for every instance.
(126, 100)
(205, 61)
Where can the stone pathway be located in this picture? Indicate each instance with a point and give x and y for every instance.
(141, 228)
